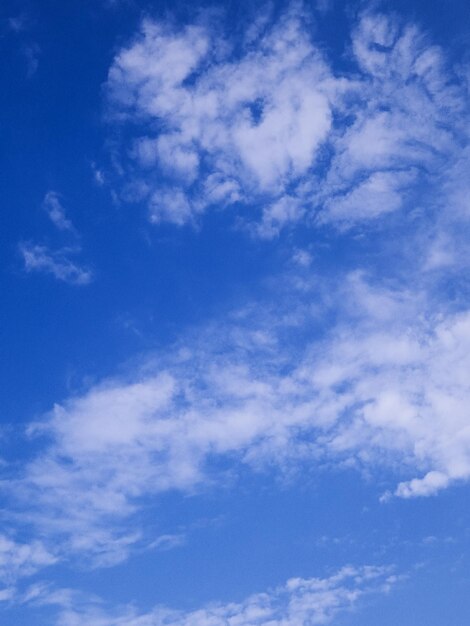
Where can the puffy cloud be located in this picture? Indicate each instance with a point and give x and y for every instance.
(250, 128)
(404, 396)
(254, 124)
(170, 205)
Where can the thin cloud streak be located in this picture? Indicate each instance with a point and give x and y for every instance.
(298, 602)
(39, 258)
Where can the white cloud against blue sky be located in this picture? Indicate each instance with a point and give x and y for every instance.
(236, 326)
(278, 126)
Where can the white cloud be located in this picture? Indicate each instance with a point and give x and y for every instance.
(395, 384)
(405, 124)
(379, 193)
(167, 542)
(287, 209)
(53, 207)
(300, 601)
(302, 258)
(385, 386)
(256, 124)
(19, 560)
(38, 258)
(170, 205)
(31, 53)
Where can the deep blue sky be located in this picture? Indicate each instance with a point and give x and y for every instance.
(234, 322)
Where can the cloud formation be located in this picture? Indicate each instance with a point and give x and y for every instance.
(384, 387)
(355, 355)
(232, 130)
(275, 129)
(39, 258)
(299, 602)
(20, 560)
(56, 212)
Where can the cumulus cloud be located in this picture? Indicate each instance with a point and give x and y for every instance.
(277, 130)
(39, 258)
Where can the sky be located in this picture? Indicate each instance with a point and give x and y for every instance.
(235, 313)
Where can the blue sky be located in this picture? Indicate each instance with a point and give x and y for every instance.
(235, 322)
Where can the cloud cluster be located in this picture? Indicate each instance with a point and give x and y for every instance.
(231, 129)
(274, 128)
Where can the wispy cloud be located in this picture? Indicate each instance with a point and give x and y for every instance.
(300, 601)
(384, 387)
(352, 356)
(384, 384)
(20, 26)
(53, 206)
(56, 262)
(18, 561)
(39, 258)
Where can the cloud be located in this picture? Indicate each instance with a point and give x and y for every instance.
(20, 560)
(170, 205)
(276, 129)
(405, 128)
(378, 194)
(383, 387)
(56, 212)
(341, 368)
(20, 26)
(167, 542)
(39, 258)
(254, 125)
(402, 391)
(300, 601)
(31, 53)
